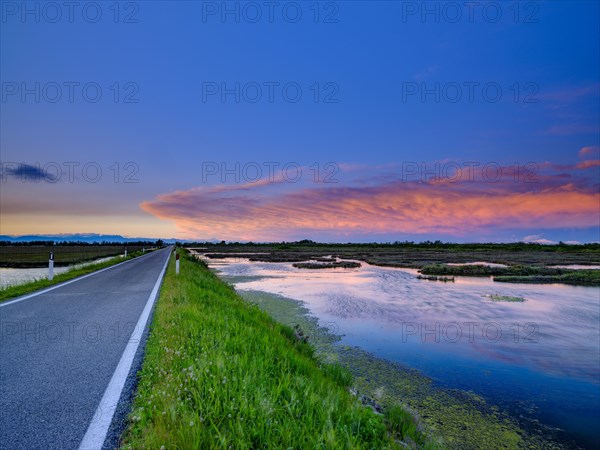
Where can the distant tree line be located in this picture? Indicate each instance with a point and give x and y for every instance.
(158, 243)
(513, 246)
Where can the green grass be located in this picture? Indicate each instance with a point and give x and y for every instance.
(220, 373)
(402, 423)
(21, 289)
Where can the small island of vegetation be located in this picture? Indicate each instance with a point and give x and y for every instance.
(328, 265)
(434, 278)
(505, 298)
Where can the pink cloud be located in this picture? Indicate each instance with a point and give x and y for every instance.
(588, 164)
(571, 129)
(264, 212)
(589, 150)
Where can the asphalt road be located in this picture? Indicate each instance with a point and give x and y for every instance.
(59, 351)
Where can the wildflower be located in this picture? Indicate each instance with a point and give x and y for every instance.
(191, 423)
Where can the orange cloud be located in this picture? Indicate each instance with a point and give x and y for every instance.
(458, 209)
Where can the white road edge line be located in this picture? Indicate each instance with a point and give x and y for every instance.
(35, 294)
(98, 428)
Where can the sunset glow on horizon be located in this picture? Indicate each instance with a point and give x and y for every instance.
(454, 207)
(366, 122)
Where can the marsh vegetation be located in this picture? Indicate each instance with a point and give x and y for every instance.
(530, 262)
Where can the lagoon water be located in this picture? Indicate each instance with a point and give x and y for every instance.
(13, 276)
(539, 358)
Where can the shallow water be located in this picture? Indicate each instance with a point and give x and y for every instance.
(10, 276)
(540, 358)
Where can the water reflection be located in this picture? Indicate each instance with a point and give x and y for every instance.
(542, 352)
(11, 276)
(557, 321)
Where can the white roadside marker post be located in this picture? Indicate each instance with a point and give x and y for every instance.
(125, 252)
(51, 266)
(177, 264)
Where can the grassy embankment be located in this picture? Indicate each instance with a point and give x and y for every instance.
(41, 283)
(220, 372)
(519, 274)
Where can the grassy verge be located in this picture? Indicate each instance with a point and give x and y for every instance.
(26, 288)
(221, 373)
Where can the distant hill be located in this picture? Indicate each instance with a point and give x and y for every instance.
(82, 237)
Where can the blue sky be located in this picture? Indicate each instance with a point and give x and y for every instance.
(529, 98)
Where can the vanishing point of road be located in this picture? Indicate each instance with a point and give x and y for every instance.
(69, 356)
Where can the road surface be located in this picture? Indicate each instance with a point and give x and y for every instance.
(64, 357)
